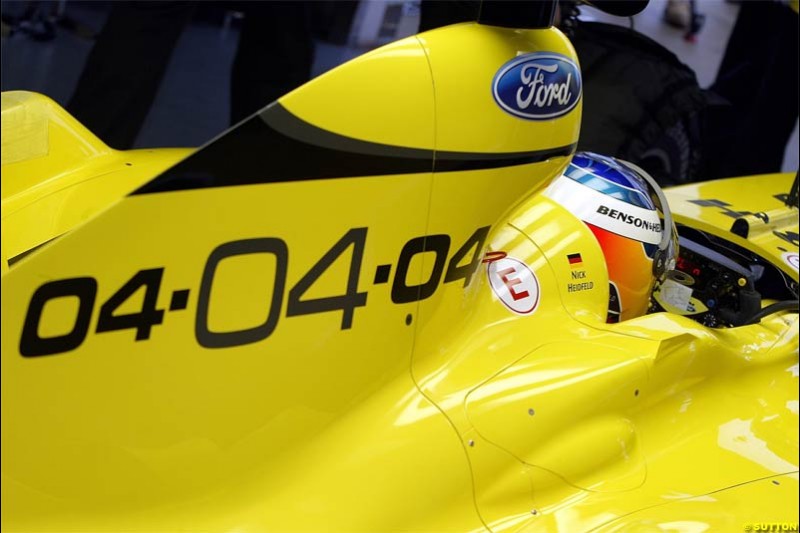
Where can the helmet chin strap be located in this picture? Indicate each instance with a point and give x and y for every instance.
(662, 262)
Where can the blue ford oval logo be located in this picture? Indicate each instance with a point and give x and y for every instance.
(538, 86)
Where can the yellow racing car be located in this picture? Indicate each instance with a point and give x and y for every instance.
(395, 299)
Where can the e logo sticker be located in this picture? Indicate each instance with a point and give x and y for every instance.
(515, 285)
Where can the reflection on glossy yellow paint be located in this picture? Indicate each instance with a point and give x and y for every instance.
(684, 526)
(684, 496)
(513, 522)
(413, 408)
(686, 403)
(737, 436)
(537, 382)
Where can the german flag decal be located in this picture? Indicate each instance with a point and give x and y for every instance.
(575, 260)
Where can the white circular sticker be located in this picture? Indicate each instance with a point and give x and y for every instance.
(791, 259)
(515, 284)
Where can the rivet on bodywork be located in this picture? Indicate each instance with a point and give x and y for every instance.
(776, 482)
(636, 392)
(531, 411)
(471, 442)
(534, 512)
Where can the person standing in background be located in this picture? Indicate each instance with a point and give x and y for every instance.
(131, 53)
(757, 83)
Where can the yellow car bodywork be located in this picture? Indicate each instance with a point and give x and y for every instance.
(316, 343)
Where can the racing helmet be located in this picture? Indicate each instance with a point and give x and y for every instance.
(629, 216)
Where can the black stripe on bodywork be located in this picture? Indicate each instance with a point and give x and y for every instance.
(26, 253)
(276, 146)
